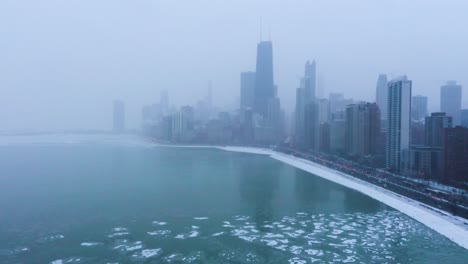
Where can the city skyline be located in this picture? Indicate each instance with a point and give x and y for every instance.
(48, 72)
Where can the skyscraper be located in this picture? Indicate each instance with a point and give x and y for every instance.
(310, 81)
(362, 129)
(264, 84)
(434, 129)
(247, 92)
(119, 116)
(305, 94)
(464, 117)
(381, 95)
(419, 107)
(311, 126)
(456, 154)
(299, 121)
(338, 132)
(450, 100)
(398, 121)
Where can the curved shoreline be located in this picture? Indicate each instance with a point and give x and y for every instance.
(452, 227)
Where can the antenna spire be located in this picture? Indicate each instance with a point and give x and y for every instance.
(261, 29)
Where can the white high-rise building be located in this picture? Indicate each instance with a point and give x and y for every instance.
(398, 121)
(450, 101)
(381, 94)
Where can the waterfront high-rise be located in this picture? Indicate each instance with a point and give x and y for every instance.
(464, 117)
(381, 94)
(450, 100)
(119, 116)
(456, 154)
(264, 84)
(311, 126)
(434, 129)
(398, 121)
(305, 95)
(338, 132)
(247, 89)
(362, 129)
(419, 107)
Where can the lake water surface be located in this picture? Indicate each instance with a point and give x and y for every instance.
(103, 201)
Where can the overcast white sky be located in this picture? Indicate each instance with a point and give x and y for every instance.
(62, 63)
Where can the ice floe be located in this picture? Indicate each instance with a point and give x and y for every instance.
(147, 253)
(119, 234)
(445, 224)
(159, 232)
(159, 223)
(90, 244)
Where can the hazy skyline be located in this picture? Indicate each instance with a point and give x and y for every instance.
(63, 63)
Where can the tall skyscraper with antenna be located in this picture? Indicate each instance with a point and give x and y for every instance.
(264, 84)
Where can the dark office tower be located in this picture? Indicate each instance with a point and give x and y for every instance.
(398, 121)
(264, 85)
(464, 117)
(434, 129)
(311, 126)
(247, 86)
(450, 100)
(418, 107)
(382, 94)
(310, 82)
(362, 129)
(119, 116)
(456, 154)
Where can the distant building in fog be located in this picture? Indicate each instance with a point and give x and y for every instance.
(435, 127)
(311, 126)
(450, 100)
(381, 94)
(247, 90)
(464, 117)
(419, 107)
(362, 129)
(398, 122)
(338, 132)
(264, 84)
(119, 116)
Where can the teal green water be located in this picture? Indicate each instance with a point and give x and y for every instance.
(96, 203)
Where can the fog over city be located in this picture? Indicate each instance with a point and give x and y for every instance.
(63, 63)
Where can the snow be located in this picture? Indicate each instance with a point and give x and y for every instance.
(444, 224)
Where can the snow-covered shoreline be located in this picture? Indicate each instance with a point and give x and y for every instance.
(452, 227)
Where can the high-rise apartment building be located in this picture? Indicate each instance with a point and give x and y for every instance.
(398, 121)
